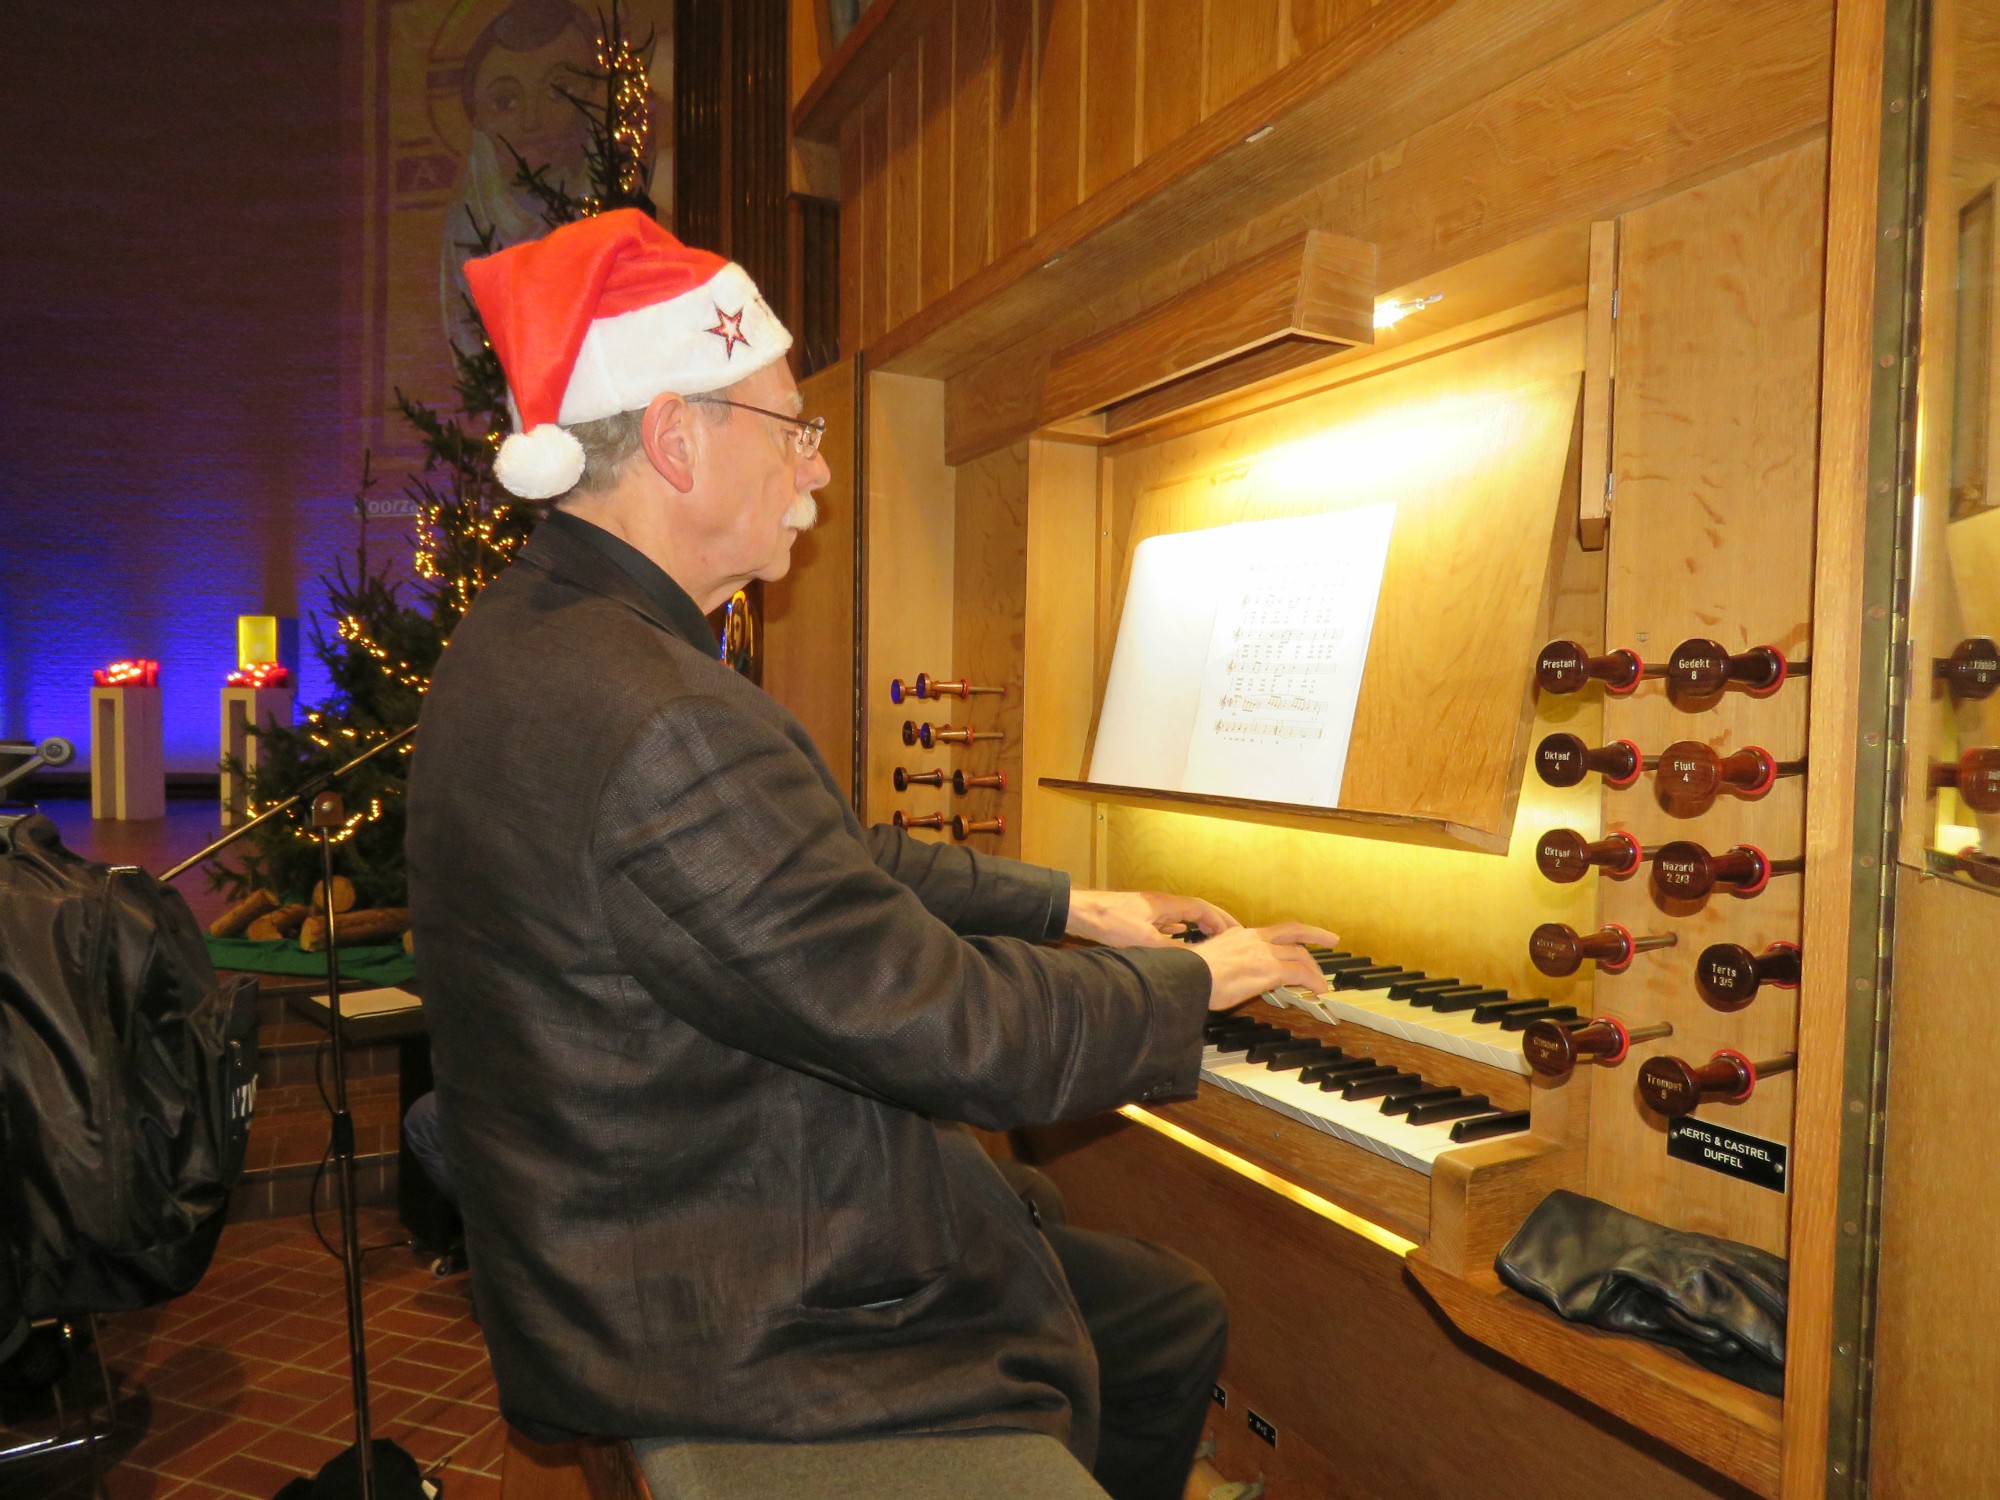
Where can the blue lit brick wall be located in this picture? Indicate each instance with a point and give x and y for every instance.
(173, 225)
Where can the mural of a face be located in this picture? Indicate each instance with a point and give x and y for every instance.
(517, 96)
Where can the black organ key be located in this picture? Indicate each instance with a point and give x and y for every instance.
(1400, 1104)
(1441, 999)
(1446, 1005)
(1297, 1056)
(1341, 963)
(1490, 1125)
(1244, 1040)
(1409, 989)
(1339, 1080)
(1335, 1068)
(1499, 1010)
(1450, 1109)
(1371, 978)
(1375, 1088)
(1265, 1048)
(1224, 1025)
(1522, 1020)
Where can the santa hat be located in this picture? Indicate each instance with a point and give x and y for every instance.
(601, 316)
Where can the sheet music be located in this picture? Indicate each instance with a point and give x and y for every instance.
(1240, 654)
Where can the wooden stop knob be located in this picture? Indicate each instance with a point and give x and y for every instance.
(1565, 856)
(1729, 975)
(1686, 871)
(1972, 671)
(1673, 1086)
(1691, 774)
(962, 783)
(1559, 950)
(1701, 668)
(908, 820)
(1564, 760)
(1565, 667)
(1976, 775)
(963, 828)
(906, 779)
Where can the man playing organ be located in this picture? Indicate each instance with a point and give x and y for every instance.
(705, 1046)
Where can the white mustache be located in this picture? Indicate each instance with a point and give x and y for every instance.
(803, 515)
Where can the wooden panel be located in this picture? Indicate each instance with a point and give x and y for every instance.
(1171, 57)
(1314, 23)
(940, 210)
(902, 248)
(1242, 49)
(1317, 286)
(911, 523)
(809, 637)
(1413, 64)
(1936, 1365)
(1637, 120)
(1846, 373)
(1714, 440)
(1599, 373)
(883, 35)
(1013, 125)
(1060, 653)
(972, 138)
(1736, 1430)
(852, 251)
(875, 217)
(989, 603)
(1058, 107)
(1332, 1342)
(1110, 91)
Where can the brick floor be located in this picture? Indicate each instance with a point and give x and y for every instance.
(242, 1384)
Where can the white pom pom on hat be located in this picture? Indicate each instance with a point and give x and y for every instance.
(599, 317)
(539, 464)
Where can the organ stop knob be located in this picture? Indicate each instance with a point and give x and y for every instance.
(1972, 671)
(1976, 775)
(1565, 856)
(1565, 667)
(1673, 1086)
(1559, 950)
(1701, 668)
(946, 735)
(963, 828)
(1564, 760)
(908, 820)
(1728, 974)
(962, 783)
(930, 687)
(1691, 774)
(1685, 870)
(1553, 1049)
(906, 779)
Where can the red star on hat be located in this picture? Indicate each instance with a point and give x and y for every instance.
(729, 328)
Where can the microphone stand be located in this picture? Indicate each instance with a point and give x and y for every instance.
(328, 813)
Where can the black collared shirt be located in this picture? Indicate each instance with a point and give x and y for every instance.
(680, 611)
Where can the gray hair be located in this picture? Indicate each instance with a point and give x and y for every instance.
(609, 441)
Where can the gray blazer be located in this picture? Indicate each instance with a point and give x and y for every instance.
(702, 1043)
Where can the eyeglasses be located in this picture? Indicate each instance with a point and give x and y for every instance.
(806, 433)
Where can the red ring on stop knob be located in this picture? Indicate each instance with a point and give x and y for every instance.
(1783, 984)
(1749, 1075)
(1631, 685)
(1763, 871)
(1619, 965)
(1784, 671)
(1638, 765)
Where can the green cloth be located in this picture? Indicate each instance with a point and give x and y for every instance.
(374, 963)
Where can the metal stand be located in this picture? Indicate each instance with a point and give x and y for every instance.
(328, 813)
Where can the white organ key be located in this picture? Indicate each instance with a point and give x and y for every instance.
(1456, 1033)
(1359, 1122)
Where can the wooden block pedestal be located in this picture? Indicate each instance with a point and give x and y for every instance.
(128, 769)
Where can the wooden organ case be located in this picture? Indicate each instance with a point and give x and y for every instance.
(1609, 299)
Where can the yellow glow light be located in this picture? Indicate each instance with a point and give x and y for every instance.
(1374, 1233)
(1389, 314)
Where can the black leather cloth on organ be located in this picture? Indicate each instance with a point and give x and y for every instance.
(1720, 1303)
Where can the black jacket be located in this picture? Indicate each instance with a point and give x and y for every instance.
(700, 1039)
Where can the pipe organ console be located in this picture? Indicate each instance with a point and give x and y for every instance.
(1605, 474)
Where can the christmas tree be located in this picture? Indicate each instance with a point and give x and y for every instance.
(379, 648)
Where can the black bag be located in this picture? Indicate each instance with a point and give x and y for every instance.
(127, 1075)
(1720, 1303)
